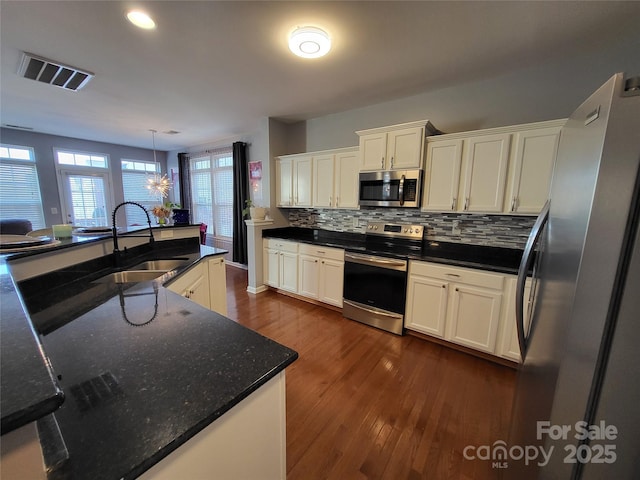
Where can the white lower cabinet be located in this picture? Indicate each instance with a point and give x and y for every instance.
(194, 285)
(281, 264)
(256, 427)
(321, 273)
(205, 283)
(460, 305)
(508, 346)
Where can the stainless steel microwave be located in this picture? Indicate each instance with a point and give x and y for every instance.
(391, 188)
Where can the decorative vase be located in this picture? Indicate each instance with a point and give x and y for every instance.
(257, 213)
(180, 216)
(162, 221)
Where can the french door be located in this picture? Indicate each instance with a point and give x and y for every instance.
(86, 197)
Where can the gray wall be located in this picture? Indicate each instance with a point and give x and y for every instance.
(43, 146)
(537, 93)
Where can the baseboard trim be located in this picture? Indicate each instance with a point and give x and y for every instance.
(255, 290)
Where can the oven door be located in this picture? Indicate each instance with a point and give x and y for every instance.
(375, 291)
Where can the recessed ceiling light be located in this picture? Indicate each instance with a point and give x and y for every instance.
(309, 42)
(141, 19)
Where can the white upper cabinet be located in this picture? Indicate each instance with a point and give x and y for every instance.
(397, 147)
(486, 161)
(335, 178)
(533, 158)
(294, 181)
(442, 175)
(499, 170)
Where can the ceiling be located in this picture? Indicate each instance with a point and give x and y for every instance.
(212, 69)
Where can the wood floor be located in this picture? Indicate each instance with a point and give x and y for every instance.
(367, 404)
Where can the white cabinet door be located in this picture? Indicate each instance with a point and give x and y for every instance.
(218, 285)
(486, 161)
(309, 275)
(509, 347)
(302, 177)
(331, 281)
(373, 151)
(194, 285)
(426, 310)
(284, 179)
(323, 181)
(289, 271)
(272, 267)
(475, 316)
(533, 158)
(442, 175)
(346, 180)
(405, 148)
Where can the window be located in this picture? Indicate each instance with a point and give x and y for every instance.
(19, 186)
(134, 185)
(84, 183)
(212, 192)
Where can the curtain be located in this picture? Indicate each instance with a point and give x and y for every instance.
(184, 180)
(240, 195)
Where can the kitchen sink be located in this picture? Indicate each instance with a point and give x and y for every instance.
(131, 276)
(162, 265)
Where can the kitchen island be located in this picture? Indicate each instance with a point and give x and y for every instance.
(147, 374)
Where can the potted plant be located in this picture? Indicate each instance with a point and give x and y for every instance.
(254, 212)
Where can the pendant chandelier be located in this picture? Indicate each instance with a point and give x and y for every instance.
(156, 183)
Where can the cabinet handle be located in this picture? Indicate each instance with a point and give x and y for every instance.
(330, 200)
(444, 286)
(453, 275)
(337, 201)
(391, 162)
(466, 203)
(453, 203)
(514, 203)
(316, 261)
(382, 163)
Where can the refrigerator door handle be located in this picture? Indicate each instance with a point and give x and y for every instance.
(525, 265)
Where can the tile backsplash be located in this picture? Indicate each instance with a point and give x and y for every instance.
(495, 230)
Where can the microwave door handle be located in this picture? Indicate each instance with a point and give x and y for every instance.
(401, 190)
(525, 264)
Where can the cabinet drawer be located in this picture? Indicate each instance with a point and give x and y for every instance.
(457, 274)
(319, 251)
(282, 245)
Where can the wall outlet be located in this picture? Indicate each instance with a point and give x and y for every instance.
(455, 228)
(356, 222)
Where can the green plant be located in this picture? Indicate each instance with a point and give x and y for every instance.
(248, 204)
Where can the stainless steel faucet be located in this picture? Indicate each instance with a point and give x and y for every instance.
(116, 250)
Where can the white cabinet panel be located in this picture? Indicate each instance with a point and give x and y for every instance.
(532, 162)
(442, 176)
(486, 160)
(426, 305)
(475, 315)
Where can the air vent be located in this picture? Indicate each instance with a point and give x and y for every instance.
(53, 73)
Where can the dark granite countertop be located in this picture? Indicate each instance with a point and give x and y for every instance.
(491, 258)
(142, 368)
(29, 387)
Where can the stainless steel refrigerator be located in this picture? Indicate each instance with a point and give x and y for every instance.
(578, 391)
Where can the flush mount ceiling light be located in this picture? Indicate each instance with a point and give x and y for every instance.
(309, 42)
(141, 19)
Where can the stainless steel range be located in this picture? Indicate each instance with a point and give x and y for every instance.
(375, 279)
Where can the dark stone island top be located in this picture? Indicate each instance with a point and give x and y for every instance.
(485, 257)
(142, 368)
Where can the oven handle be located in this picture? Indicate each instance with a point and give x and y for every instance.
(376, 261)
(375, 311)
(401, 191)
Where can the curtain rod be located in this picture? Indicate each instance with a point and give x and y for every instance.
(213, 151)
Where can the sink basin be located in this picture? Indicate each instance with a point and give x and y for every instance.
(130, 276)
(162, 265)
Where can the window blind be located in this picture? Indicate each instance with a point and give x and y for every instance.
(19, 187)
